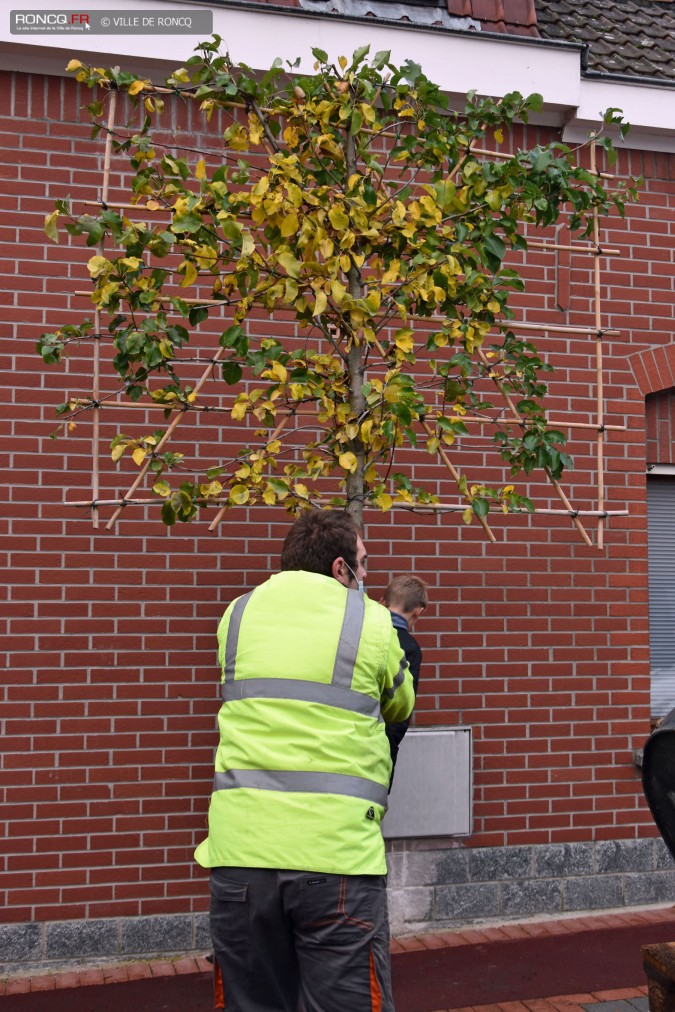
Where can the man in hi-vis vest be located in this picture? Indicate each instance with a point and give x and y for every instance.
(311, 669)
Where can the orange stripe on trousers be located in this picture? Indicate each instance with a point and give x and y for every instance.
(375, 989)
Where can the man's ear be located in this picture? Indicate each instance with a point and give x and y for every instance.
(337, 569)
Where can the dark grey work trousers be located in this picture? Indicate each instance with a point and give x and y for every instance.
(290, 941)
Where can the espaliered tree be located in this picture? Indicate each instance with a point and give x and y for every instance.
(353, 201)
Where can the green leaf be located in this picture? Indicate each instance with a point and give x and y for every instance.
(232, 372)
(168, 514)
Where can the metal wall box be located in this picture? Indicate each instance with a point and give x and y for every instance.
(432, 790)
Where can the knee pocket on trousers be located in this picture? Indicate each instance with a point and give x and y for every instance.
(229, 914)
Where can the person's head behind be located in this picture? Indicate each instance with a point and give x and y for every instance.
(407, 595)
(324, 542)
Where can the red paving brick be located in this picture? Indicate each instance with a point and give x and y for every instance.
(115, 974)
(91, 977)
(162, 968)
(139, 971)
(67, 978)
(45, 982)
(409, 947)
(19, 986)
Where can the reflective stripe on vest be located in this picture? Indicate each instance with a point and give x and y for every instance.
(400, 675)
(232, 641)
(309, 782)
(350, 637)
(303, 691)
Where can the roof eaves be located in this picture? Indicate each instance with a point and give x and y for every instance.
(504, 37)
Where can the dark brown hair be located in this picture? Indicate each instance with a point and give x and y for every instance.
(406, 592)
(317, 539)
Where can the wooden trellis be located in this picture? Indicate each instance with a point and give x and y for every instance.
(595, 333)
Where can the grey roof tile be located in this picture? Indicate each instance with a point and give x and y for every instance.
(633, 37)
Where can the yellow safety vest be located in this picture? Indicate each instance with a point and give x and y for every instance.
(310, 671)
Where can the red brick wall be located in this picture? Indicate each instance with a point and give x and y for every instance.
(109, 699)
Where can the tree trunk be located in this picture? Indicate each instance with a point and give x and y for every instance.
(356, 369)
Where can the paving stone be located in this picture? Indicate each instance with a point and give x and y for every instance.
(156, 934)
(624, 855)
(655, 887)
(20, 943)
(418, 904)
(80, 939)
(202, 932)
(536, 896)
(559, 860)
(436, 867)
(493, 864)
(463, 903)
(663, 859)
(593, 892)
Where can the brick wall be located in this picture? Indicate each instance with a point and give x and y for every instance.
(109, 699)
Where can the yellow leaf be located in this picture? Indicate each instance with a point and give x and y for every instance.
(50, 223)
(289, 226)
(384, 501)
(277, 371)
(239, 495)
(162, 488)
(247, 245)
(108, 291)
(290, 264)
(190, 271)
(117, 451)
(73, 66)
(467, 516)
(338, 291)
(139, 455)
(320, 303)
(348, 461)
(239, 410)
(403, 339)
(200, 169)
(338, 218)
(97, 265)
(136, 87)
(342, 60)
(301, 491)
(213, 489)
(269, 497)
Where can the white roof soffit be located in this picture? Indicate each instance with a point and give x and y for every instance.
(459, 61)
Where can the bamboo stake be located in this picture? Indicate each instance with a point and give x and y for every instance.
(556, 328)
(164, 297)
(575, 248)
(96, 379)
(167, 435)
(561, 495)
(421, 506)
(277, 432)
(598, 364)
(456, 477)
(553, 328)
(84, 402)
